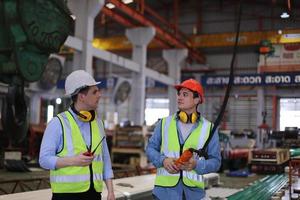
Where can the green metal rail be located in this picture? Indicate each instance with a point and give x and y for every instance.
(262, 189)
(295, 152)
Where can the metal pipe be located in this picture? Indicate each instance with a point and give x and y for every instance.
(269, 189)
(295, 152)
(262, 189)
(274, 112)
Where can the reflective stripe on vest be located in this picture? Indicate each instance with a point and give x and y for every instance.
(76, 179)
(170, 147)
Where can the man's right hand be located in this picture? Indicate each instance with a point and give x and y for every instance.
(169, 165)
(77, 160)
(83, 160)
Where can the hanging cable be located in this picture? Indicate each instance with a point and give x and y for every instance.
(229, 86)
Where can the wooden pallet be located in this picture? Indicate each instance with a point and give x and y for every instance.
(272, 156)
(129, 137)
(267, 168)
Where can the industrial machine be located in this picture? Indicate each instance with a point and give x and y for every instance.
(29, 32)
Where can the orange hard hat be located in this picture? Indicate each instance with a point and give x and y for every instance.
(192, 85)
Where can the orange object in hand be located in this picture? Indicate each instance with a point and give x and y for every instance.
(185, 157)
(88, 153)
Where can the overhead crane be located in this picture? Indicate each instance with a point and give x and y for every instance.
(209, 40)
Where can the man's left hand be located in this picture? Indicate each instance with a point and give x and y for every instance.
(189, 166)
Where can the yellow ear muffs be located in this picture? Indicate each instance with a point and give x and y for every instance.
(84, 115)
(194, 117)
(185, 118)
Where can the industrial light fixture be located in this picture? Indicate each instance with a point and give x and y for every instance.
(58, 101)
(110, 5)
(73, 17)
(127, 1)
(50, 112)
(280, 32)
(284, 15)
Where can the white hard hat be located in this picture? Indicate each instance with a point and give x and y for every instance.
(77, 80)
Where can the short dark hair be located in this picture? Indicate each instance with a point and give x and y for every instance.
(83, 90)
(195, 95)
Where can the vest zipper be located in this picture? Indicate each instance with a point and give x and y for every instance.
(180, 152)
(181, 148)
(91, 176)
(90, 166)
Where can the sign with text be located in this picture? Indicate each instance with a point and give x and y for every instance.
(254, 79)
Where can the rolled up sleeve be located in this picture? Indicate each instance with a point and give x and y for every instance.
(153, 147)
(51, 141)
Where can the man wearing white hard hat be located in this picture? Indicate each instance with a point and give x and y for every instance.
(74, 147)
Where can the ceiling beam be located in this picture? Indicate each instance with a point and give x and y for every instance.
(125, 22)
(166, 36)
(212, 40)
(245, 38)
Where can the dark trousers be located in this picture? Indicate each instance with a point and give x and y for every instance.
(91, 194)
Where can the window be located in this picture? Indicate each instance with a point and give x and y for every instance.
(289, 113)
(50, 111)
(156, 109)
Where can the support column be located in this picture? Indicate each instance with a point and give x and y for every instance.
(85, 12)
(260, 110)
(140, 38)
(35, 108)
(174, 59)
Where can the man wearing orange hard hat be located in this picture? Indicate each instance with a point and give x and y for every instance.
(185, 130)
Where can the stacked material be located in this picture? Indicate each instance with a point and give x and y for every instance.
(262, 189)
(269, 160)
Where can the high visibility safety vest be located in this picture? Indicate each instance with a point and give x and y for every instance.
(76, 179)
(170, 147)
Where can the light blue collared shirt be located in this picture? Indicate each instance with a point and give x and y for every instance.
(212, 164)
(53, 141)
